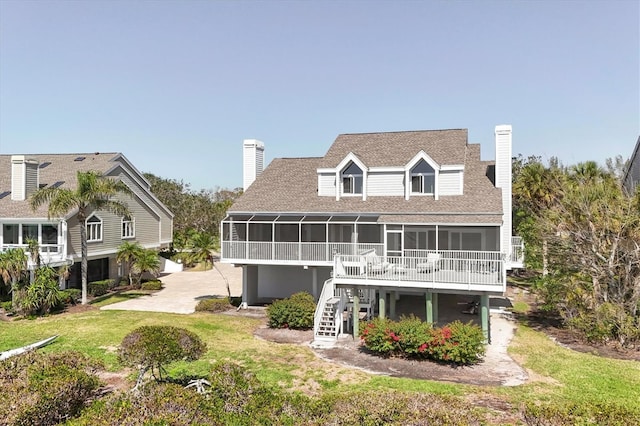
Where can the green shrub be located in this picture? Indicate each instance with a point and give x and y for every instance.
(42, 294)
(413, 332)
(71, 296)
(458, 343)
(562, 413)
(294, 312)
(99, 288)
(152, 285)
(46, 389)
(153, 347)
(6, 306)
(213, 305)
(154, 404)
(233, 385)
(455, 343)
(236, 397)
(385, 407)
(377, 336)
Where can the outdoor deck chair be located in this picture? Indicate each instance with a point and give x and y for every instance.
(431, 263)
(376, 264)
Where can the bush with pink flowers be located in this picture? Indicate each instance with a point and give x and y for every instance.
(456, 343)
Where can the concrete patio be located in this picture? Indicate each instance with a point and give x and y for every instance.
(183, 290)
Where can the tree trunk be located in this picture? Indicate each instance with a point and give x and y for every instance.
(83, 254)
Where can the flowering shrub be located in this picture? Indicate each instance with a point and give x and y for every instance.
(457, 342)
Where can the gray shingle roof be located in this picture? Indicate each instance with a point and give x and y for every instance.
(391, 149)
(62, 168)
(289, 185)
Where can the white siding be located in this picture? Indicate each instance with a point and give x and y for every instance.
(327, 184)
(277, 282)
(387, 183)
(450, 182)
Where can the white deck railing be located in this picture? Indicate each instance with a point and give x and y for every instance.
(293, 251)
(517, 250)
(49, 253)
(464, 269)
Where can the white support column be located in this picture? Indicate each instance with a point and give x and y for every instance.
(245, 287)
(382, 309)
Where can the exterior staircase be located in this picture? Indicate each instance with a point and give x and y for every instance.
(328, 317)
(327, 328)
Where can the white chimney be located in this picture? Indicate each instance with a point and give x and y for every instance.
(503, 181)
(24, 177)
(252, 161)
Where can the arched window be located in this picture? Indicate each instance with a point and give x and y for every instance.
(352, 179)
(423, 178)
(94, 228)
(128, 227)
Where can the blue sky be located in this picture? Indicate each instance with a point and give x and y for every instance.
(177, 85)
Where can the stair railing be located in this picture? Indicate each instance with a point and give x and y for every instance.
(327, 293)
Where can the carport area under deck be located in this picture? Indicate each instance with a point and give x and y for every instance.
(438, 308)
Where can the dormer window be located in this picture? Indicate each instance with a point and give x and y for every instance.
(423, 179)
(352, 180)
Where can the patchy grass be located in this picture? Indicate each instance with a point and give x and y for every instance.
(570, 377)
(520, 307)
(558, 375)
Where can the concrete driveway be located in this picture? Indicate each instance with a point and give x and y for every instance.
(183, 290)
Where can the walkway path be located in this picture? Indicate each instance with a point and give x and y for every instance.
(183, 290)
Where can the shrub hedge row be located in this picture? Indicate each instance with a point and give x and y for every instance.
(99, 288)
(151, 285)
(214, 305)
(456, 342)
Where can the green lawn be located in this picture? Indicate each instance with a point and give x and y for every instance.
(558, 374)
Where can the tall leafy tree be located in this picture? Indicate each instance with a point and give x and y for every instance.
(597, 245)
(195, 211)
(93, 192)
(535, 189)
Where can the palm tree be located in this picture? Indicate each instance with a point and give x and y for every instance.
(201, 246)
(146, 261)
(127, 253)
(93, 192)
(13, 265)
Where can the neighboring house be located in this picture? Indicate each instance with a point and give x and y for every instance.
(150, 224)
(381, 214)
(632, 174)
